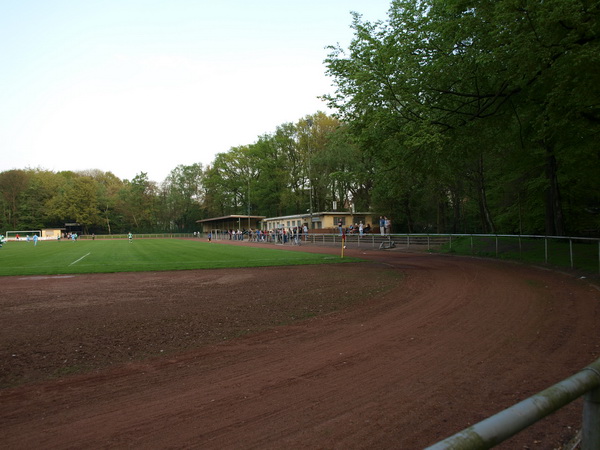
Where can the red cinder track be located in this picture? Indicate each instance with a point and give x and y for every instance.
(428, 345)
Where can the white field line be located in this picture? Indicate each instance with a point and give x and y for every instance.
(217, 261)
(75, 262)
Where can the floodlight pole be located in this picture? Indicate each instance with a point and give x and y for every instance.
(309, 122)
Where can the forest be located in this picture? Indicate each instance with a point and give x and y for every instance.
(449, 116)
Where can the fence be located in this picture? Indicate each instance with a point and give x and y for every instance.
(572, 252)
(137, 236)
(496, 429)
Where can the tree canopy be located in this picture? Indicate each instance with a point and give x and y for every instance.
(488, 108)
(450, 116)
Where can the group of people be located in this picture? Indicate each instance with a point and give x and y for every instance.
(296, 234)
(359, 228)
(17, 237)
(385, 225)
(277, 235)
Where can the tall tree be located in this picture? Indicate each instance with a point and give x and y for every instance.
(183, 189)
(77, 202)
(13, 185)
(138, 204)
(109, 186)
(439, 79)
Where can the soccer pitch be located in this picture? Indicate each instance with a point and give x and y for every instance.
(106, 256)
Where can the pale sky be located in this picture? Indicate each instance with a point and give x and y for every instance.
(131, 86)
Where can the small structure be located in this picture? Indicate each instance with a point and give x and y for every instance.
(52, 233)
(325, 221)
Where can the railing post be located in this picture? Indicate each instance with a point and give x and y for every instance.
(571, 251)
(590, 433)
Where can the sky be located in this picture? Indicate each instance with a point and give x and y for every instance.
(132, 86)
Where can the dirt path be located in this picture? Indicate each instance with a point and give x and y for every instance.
(448, 344)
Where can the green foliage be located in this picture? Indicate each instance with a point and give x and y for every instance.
(183, 193)
(13, 185)
(492, 104)
(452, 116)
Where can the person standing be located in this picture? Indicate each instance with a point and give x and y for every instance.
(388, 226)
(340, 226)
(382, 225)
(35, 239)
(130, 237)
(360, 228)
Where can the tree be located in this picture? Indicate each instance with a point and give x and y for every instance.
(450, 87)
(138, 204)
(13, 185)
(108, 188)
(77, 201)
(183, 191)
(227, 182)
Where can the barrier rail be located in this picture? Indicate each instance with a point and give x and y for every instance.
(554, 250)
(499, 427)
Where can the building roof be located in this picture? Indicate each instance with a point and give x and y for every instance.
(233, 216)
(322, 213)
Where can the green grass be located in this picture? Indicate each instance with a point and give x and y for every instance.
(66, 257)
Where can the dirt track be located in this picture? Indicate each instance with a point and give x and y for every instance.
(427, 345)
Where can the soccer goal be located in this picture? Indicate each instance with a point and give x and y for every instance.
(21, 235)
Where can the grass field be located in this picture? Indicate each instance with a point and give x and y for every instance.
(67, 257)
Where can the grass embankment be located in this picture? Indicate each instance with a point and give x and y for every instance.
(580, 254)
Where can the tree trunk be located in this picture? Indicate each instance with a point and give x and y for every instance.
(554, 213)
(456, 210)
(408, 212)
(107, 219)
(484, 211)
(441, 212)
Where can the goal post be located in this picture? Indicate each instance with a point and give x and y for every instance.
(22, 234)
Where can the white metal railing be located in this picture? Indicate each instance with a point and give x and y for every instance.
(431, 241)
